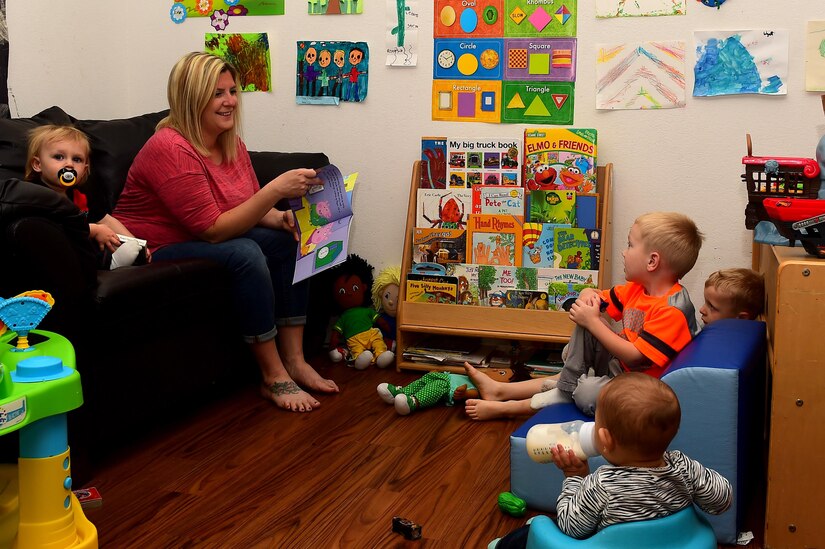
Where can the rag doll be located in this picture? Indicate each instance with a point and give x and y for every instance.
(356, 324)
(385, 300)
(434, 388)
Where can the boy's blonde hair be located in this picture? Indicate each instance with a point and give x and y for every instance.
(641, 412)
(191, 87)
(745, 287)
(41, 136)
(674, 236)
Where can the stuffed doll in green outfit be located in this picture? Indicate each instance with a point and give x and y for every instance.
(434, 388)
(356, 325)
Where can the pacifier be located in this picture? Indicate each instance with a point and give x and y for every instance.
(67, 177)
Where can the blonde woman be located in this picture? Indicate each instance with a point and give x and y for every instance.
(192, 193)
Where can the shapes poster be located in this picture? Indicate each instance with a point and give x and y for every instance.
(647, 75)
(511, 61)
(815, 56)
(329, 72)
(635, 8)
(249, 53)
(335, 7)
(741, 62)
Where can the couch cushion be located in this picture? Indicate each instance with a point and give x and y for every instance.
(115, 143)
(14, 135)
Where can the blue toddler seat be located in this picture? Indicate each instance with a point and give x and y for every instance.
(683, 530)
(719, 379)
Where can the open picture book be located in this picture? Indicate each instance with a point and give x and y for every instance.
(323, 218)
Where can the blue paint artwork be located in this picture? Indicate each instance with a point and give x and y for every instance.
(726, 66)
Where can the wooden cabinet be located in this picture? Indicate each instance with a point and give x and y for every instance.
(418, 319)
(795, 286)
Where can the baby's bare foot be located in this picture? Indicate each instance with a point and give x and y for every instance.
(287, 395)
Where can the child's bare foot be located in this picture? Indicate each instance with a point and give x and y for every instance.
(306, 376)
(482, 410)
(287, 395)
(488, 388)
(493, 409)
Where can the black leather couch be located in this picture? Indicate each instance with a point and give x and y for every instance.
(152, 341)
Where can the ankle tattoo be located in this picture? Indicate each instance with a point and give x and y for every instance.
(280, 388)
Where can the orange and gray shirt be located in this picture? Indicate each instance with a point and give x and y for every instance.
(659, 326)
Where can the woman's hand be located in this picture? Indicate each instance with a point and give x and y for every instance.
(281, 220)
(295, 183)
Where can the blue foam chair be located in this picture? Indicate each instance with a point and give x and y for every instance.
(719, 379)
(683, 530)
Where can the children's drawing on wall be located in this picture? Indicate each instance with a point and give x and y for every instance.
(646, 75)
(335, 7)
(220, 11)
(249, 53)
(329, 72)
(737, 62)
(402, 33)
(636, 8)
(815, 56)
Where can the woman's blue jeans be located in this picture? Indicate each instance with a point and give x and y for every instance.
(261, 264)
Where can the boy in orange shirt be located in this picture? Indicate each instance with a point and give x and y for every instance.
(657, 316)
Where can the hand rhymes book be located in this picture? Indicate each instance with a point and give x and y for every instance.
(323, 217)
(494, 239)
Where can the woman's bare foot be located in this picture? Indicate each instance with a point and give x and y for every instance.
(482, 410)
(306, 376)
(488, 388)
(287, 395)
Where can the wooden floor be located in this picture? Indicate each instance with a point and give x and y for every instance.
(241, 473)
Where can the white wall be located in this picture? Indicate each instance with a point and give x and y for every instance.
(110, 58)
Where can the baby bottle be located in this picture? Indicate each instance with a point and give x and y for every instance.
(572, 435)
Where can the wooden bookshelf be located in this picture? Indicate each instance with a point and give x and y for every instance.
(416, 320)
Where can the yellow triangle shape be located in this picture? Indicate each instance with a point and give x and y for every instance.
(516, 102)
(537, 108)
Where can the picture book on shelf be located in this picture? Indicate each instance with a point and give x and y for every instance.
(587, 210)
(557, 206)
(431, 288)
(433, 163)
(560, 158)
(577, 248)
(526, 299)
(439, 245)
(537, 239)
(483, 161)
(498, 199)
(323, 217)
(443, 208)
(494, 239)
